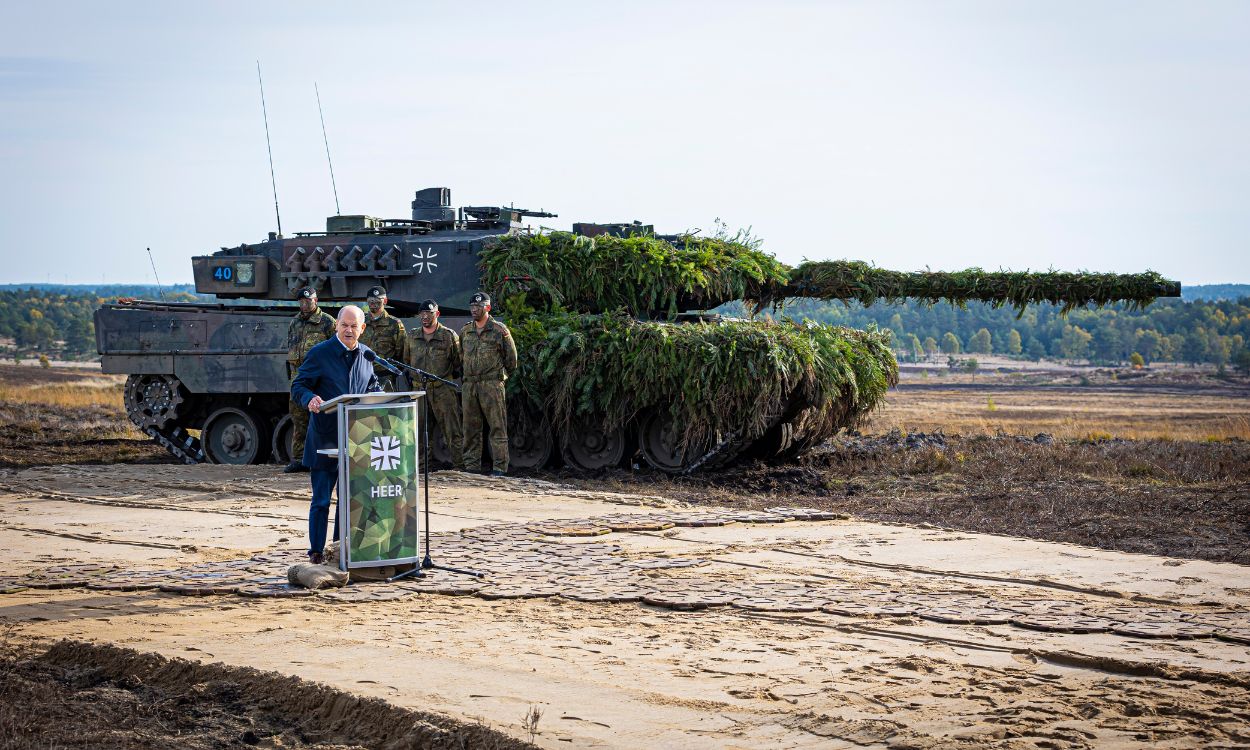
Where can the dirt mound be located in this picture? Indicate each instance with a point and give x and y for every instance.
(84, 695)
(35, 434)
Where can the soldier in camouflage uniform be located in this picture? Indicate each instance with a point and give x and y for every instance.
(435, 348)
(310, 327)
(489, 357)
(383, 334)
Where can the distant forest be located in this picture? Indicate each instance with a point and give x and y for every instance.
(1167, 331)
(57, 320)
(1215, 292)
(106, 291)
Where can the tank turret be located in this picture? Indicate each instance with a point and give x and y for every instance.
(432, 255)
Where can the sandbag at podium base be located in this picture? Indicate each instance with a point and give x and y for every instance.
(316, 576)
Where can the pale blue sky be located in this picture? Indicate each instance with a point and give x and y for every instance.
(1107, 136)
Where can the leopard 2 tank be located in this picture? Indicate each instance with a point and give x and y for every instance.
(622, 358)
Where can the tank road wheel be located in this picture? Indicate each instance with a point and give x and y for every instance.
(529, 437)
(283, 439)
(659, 439)
(234, 436)
(153, 400)
(587, 446)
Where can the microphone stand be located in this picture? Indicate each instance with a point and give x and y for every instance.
(427, 563)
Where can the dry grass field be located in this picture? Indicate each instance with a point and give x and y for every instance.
(1156, 463)
(67, 415)
(1068, 412)
(98, 391)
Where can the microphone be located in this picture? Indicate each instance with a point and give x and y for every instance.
(386, 365)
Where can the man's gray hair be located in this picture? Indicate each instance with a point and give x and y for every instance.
(360, 314)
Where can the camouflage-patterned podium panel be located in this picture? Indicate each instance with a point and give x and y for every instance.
(378, 525)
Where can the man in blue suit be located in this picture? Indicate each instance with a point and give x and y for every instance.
(330, 369)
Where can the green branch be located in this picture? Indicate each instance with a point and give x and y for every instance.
(648, 276)
(854, 280)
(729, 377)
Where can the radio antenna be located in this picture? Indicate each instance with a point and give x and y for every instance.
(269, 146)
(159, 288)
(337, 210)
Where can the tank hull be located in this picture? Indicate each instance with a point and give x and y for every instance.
(209, 383)
(194, 365)
(191, 366)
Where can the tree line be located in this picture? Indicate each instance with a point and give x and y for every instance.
(1171, 330)
(59, 322)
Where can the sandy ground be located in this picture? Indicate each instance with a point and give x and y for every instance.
(636, 675)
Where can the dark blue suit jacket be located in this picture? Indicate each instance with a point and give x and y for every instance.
(329, 370)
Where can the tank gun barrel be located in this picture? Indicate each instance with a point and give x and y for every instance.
(864, 283)
(647, 274)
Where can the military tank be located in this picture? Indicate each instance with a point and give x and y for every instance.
(621, 354)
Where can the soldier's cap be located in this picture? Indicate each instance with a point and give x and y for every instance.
(307, 293)
(481, 298)
(377, 292)
(427, 305)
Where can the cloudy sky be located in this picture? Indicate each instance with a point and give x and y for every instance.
(1108, 136)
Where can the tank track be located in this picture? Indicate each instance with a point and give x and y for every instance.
(178, 442)
(155, 404)
(732, 447)
(722, 454)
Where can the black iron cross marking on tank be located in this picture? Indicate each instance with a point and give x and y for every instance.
(422, 256)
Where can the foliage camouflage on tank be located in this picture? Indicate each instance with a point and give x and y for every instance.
(727, 380)
(728, 383)
(641, 274)
(647, 274)
(854, 280)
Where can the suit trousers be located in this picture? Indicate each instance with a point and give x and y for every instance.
(324, 482)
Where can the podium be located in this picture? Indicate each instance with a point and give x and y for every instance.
(379, 478)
